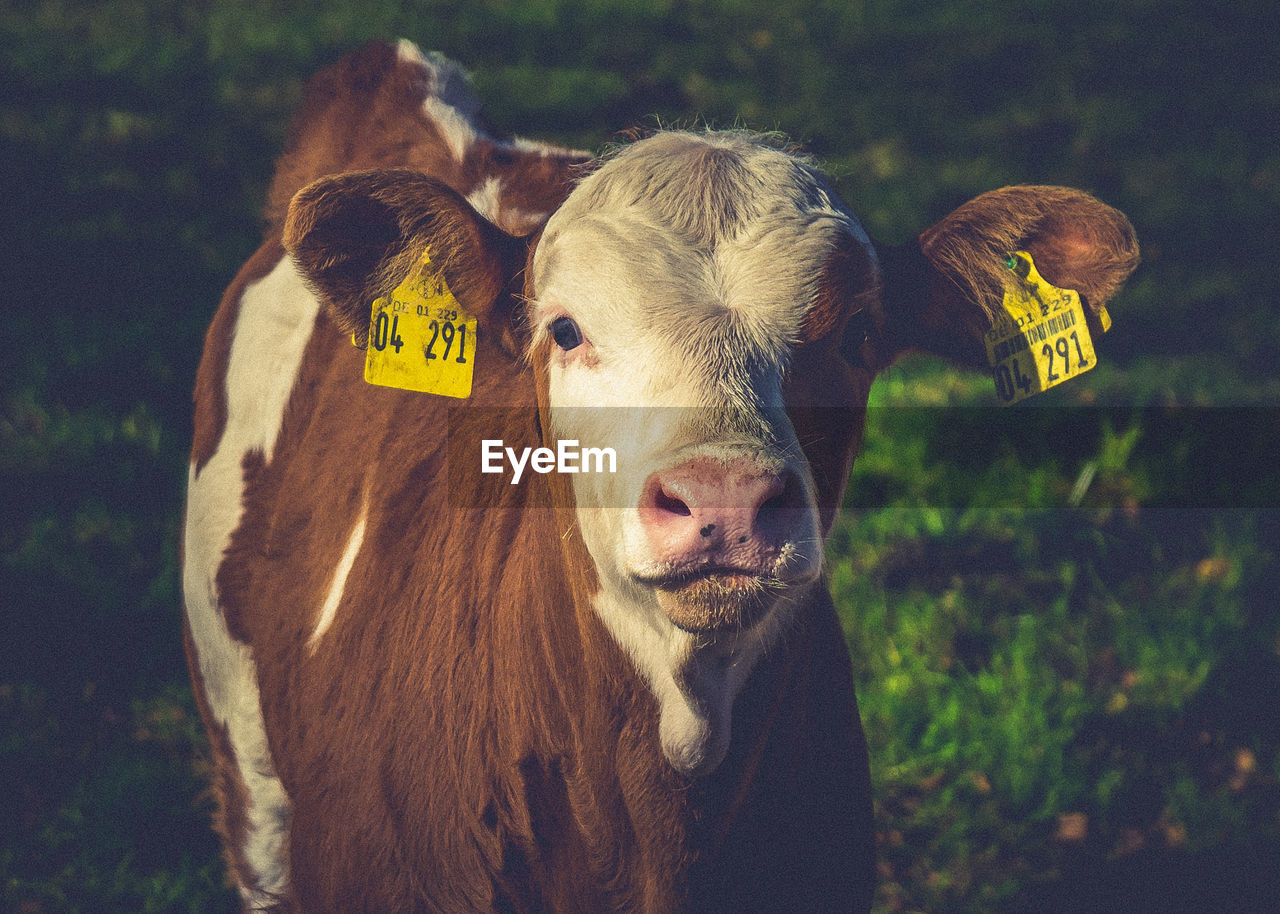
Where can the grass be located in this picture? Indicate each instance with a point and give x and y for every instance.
(107, 809)
(1052, 689)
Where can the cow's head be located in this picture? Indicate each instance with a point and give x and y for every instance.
(705, 306)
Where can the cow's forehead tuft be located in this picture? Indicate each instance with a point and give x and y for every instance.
(705, 187)
(683, 226)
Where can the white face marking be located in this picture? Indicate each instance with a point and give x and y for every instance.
(330, 608)
(276, 318)
(686, 336)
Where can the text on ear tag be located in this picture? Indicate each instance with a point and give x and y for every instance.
(420, 338)
(1040, 339)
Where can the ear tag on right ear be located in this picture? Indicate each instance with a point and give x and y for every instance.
(420, 338)
(1041, 338)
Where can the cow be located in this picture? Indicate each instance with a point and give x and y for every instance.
(431, 688)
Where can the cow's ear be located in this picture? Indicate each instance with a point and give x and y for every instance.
(941, 292)
(357, 236)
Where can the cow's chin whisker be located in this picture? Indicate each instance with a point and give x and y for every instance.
(720, 601)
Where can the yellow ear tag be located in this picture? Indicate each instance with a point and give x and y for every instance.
(420, 338)
(1040, 339)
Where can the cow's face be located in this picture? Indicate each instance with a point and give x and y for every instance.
(669, 295)
(687, 304)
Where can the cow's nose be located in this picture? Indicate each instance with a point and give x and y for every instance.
(732, 512)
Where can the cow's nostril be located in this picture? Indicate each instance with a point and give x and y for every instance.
(671, 504)
(776, 496)
(773, 504)
(783, 497)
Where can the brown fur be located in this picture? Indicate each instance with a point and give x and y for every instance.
(1077, 243)
(357, 235)
(365, 112)
(486, 739)
(467, 736)
(845, 288)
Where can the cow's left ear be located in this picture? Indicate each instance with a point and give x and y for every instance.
(356, 236)
(940, 293)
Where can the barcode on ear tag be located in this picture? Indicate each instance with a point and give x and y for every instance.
(1040, 339)
(420, 338)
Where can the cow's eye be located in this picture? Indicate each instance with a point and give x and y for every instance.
(566, 333)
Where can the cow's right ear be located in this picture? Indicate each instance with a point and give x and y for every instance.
(356, 236)
(942, 291)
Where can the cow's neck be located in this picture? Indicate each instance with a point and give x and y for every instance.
(627, 799)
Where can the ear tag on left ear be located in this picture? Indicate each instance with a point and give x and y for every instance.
(1040, 339)
(420, 338)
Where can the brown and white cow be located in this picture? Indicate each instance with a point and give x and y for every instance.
(600, 691)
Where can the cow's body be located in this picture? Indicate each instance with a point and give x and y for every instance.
(584, 699)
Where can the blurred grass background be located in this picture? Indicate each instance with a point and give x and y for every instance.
(1063, 616)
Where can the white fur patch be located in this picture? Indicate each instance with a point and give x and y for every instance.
(277, 315)
(521, 144)
(448, 99)
(456, 128)
(695, 687)
(689, 264)
(330, 608)
(487, 199)
(444, 79)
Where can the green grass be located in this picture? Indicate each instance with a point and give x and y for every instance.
(1062, 615)
(1044, 682)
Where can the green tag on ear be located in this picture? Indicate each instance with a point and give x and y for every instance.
(1041, 338)
(420, 338)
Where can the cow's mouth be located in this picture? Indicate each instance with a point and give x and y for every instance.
(716, 598)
